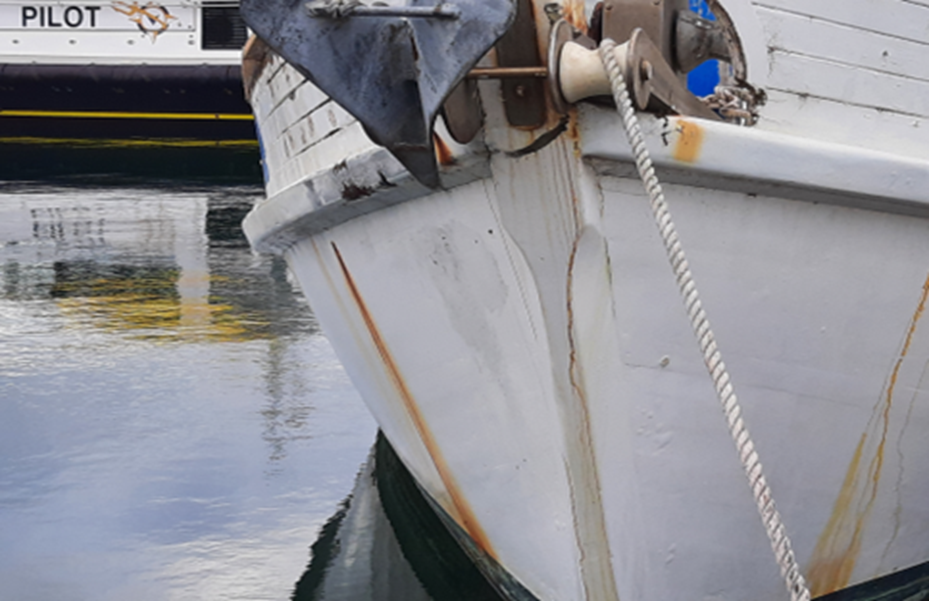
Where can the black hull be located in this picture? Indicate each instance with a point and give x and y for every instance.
(57, 128)
(123, 102)
(174, 162)
(418, 509)
(911, 584)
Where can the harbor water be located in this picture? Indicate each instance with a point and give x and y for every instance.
(174, 425)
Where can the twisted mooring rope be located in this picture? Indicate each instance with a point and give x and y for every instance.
(780, 543)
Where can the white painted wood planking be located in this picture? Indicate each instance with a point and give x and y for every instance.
(844, 44)
(836, 121)
(899, 18)
(823, 78)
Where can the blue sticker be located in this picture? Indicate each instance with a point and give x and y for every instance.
(704, 79)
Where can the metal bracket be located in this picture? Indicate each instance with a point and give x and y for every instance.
(462, 111)
(523, 97)
(697, 40)
(684, 39)
(655, 17)
(656, 87)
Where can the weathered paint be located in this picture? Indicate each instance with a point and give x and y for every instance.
(255, 58)
(680, 502)
(352, 191)
(839, 545)
(574, 12)
(469, 521)
(443, 153)
(590, 522)
(689, 142)
(573, 132)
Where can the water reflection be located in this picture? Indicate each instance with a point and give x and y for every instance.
(385, 544)
(285, 418)
(148, 267)
(172, 425)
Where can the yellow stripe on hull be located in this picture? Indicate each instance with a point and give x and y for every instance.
(126, 115)
(116, 143)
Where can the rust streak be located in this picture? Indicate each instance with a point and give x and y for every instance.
(442, 152)
(839, 544)
(574, 129)
(831, 570)
(573, 133)
(689, 142)
(586, 497)
(573, 13)
(255, 57)
(466, 514)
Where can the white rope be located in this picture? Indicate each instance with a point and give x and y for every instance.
(780, 543)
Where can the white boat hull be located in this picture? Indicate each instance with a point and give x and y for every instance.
(521, 341)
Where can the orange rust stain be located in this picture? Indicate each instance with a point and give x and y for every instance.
(689, 142)
(573, 132)
(573, 13)
(255, 57)
(832, 570)
(586, 497)
(839, 544)
(442, 152)
(465, 513)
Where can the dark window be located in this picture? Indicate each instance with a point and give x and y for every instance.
(223, 28)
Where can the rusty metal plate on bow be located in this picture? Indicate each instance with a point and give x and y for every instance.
(523, 97)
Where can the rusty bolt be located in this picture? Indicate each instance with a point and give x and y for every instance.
(520, 91)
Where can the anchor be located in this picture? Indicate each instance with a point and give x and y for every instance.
(391, 67)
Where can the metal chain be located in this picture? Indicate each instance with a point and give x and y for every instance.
(780, 543)
(733, 103)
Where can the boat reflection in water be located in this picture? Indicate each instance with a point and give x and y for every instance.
(152, 268)
(172, 423)
(169, 408)
(385, 543)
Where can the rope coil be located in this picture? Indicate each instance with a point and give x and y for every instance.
(712, 358)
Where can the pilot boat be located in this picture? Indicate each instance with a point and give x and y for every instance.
(125, 73)
(515, 223)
